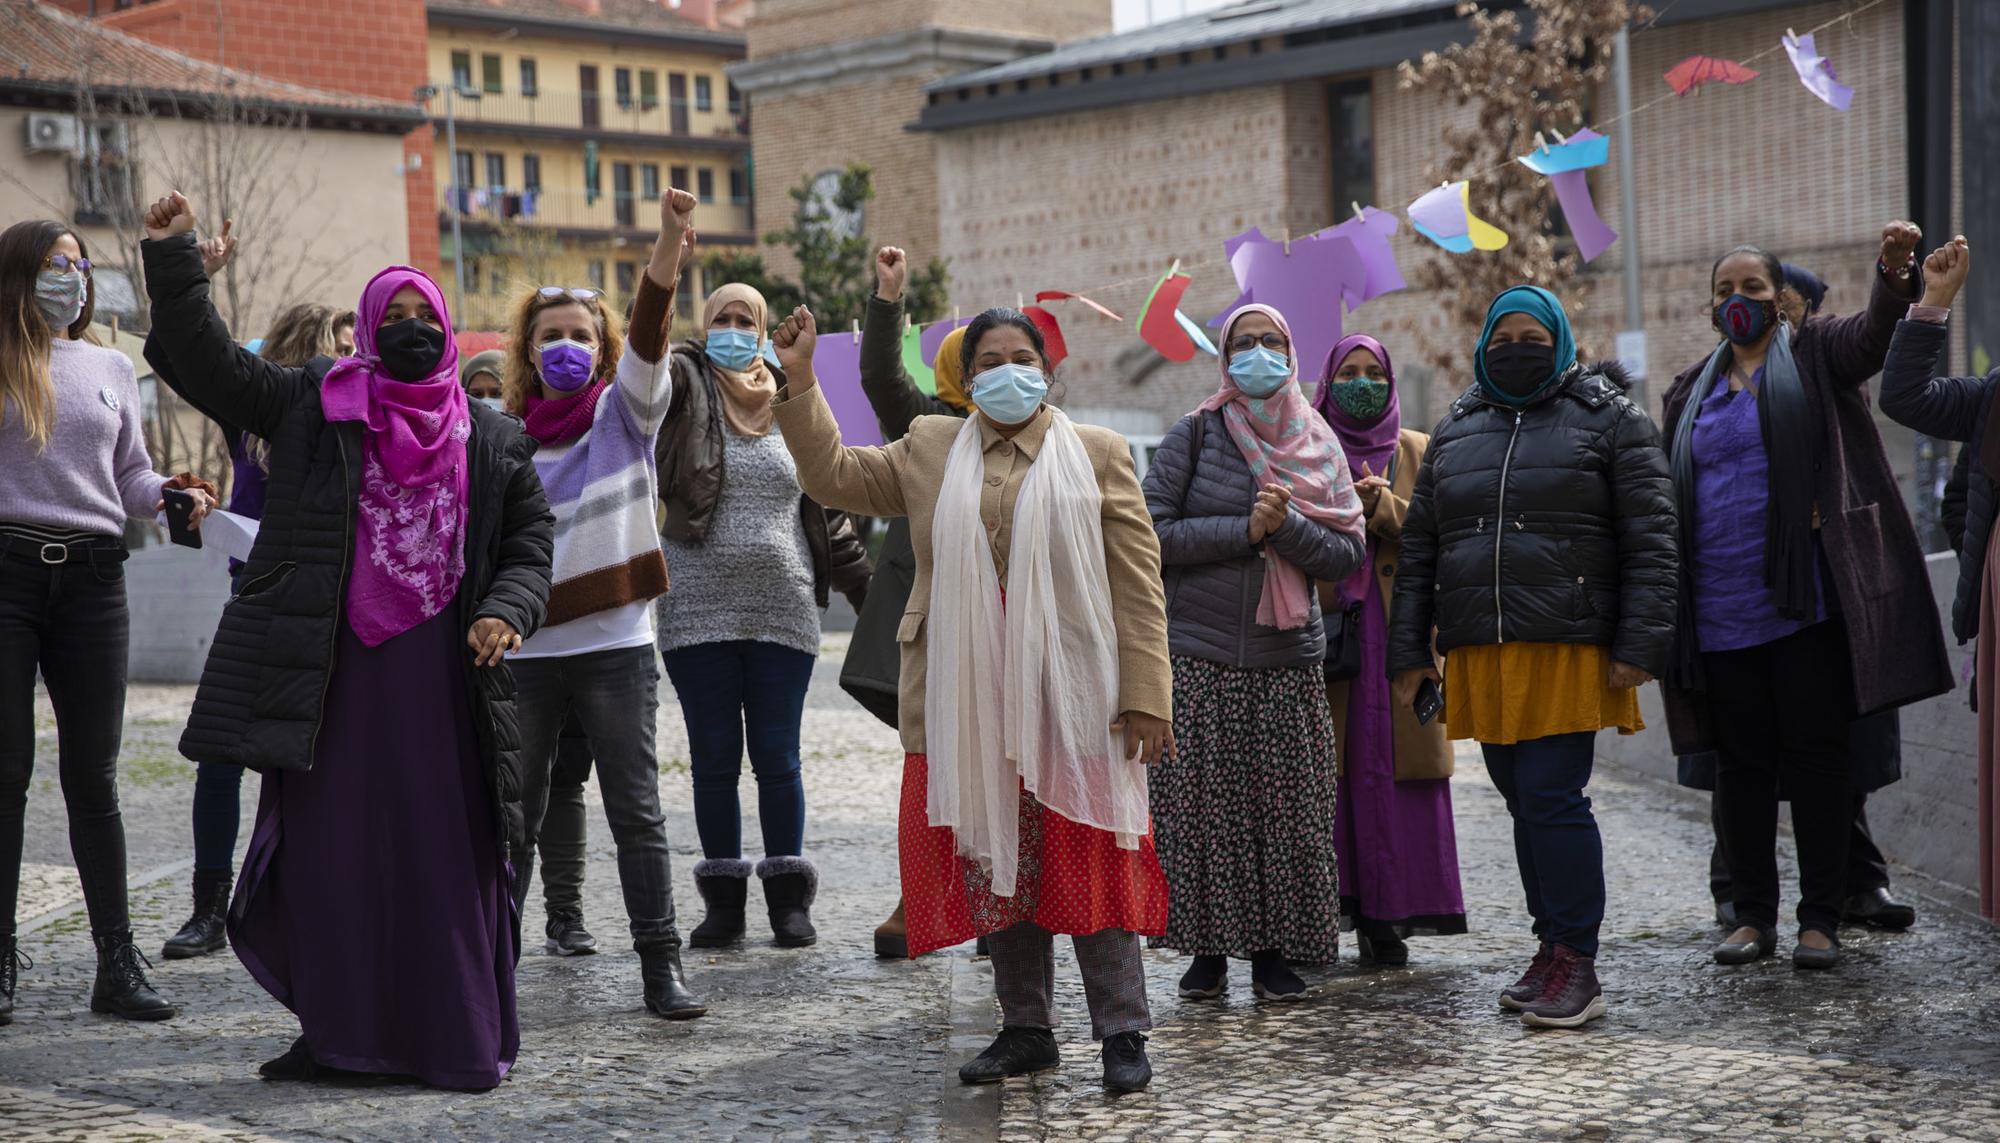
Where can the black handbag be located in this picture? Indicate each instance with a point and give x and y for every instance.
(1343, 627)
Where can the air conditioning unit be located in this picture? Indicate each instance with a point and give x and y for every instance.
(58, 134)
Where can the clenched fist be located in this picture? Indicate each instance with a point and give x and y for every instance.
(1945, 271)
(675, 246)
(170, 216)
(794, 341)
(892, 269)
(1899, 245)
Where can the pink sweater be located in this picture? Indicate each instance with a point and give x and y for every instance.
(94, 471)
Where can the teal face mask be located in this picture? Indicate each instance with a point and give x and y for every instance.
(1260, 372)
(733, 349)
(1360, 398)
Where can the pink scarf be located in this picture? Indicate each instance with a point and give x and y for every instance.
(555, 420)
(409, 552)
(1286, 443)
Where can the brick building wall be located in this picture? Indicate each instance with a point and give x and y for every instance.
(781, 26)
(1105, 200)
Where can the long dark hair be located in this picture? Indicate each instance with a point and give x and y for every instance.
(991, 320)
(25, 380)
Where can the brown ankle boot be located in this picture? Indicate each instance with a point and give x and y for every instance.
(892, 937)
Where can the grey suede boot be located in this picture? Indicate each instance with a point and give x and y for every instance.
(790, 885)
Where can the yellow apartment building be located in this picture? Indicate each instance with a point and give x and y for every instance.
(569, 117)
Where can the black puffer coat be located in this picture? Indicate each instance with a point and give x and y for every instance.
(1200, 492)
(259, 703)
(1551, 525)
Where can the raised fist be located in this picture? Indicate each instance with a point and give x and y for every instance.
(1945, 271)
(170, 216)
(892, 269)
(676, 212)
(794, 342)
(1899, 243)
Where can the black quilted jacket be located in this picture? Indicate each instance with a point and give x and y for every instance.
(1551, 525)
(259, 703)
(1200, 494)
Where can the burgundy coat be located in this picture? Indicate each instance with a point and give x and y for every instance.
(1878, 577)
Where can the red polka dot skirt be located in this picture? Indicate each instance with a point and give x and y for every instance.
(1073, 879)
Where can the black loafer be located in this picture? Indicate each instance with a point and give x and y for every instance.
(1015, 1052)
(1747, 952)
(1876, 909)
(1807, 957)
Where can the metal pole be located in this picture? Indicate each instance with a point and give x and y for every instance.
(457, 231)
(1628, 210)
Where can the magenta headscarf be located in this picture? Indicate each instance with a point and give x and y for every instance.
(409, 552)
(1285, 443)
(1367, 442)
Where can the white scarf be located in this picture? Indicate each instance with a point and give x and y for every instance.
(1026, 693)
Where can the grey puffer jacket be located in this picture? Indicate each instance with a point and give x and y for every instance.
(1200, 492)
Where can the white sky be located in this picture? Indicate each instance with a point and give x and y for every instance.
(1129, 14)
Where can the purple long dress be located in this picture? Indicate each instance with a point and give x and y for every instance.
(374, 902)
(1395, 843)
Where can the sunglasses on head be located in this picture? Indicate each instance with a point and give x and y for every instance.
(577, 293)
(61, 263)
(1244, 342)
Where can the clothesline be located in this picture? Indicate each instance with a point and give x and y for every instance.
(1601, 127)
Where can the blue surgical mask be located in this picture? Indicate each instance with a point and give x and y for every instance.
(1260, 372)
(733, 349)
(1010, 394)
(497, 404)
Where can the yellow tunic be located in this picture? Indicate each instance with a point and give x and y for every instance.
(1504, 693)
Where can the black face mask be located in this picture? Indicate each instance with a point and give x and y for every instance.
(410, 349)
(1518, 368)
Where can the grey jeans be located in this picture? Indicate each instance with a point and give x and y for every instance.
(565, 824)
(615, 697)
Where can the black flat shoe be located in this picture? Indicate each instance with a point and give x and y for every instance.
(1876, 909)
(295, 1064)
(1015, 1052)
(1807, 957)
(1388, 950)
(1126, 1067)
(1270, 979)
(1747, 952)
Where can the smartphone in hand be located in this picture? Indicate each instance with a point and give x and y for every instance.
(180, 516)
(1429, 702)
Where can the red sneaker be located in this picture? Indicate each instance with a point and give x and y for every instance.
(1571, 997)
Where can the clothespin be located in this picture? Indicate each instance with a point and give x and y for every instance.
(1791, 35)
(1560, 137)
(1286, 232)
(857, 329)
(954, 317)
(1174, 269)
(1357, 211)
(1541, 143)
(906, 323)
(1020, 302)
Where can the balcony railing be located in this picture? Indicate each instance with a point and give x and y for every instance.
(574, 210)
(573, 111)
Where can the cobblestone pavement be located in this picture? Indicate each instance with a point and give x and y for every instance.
(1901, 1042)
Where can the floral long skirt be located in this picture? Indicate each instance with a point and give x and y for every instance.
(1244, 816)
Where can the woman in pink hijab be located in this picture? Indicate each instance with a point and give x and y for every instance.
(1251, 498)
(404, 550)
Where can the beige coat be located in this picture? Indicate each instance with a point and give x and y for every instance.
(903, 478)
(1421, 751)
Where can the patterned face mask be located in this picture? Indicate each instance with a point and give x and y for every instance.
(1360, 398)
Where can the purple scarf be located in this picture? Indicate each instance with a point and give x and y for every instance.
(409, 552)
(553, 421)
(1367, 442)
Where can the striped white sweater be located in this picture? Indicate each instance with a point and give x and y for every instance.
(602, 487)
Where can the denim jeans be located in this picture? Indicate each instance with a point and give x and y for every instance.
(737, 691)
(615, 696)
(565, 824)
(69, 621)
(1556, 843)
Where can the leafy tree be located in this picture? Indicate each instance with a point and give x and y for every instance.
(836, 268)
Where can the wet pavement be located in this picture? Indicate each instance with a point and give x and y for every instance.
(1902, 1041)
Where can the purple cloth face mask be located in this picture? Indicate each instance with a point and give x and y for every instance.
(566, 365)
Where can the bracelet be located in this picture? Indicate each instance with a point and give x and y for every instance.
(1902, 275)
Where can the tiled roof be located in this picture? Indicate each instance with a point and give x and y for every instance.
(1233, 24)
(49, 48)
(593, 15)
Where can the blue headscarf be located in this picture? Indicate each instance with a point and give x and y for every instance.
(1541, 305)
(1808, 285)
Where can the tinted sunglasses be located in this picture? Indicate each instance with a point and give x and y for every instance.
(577, 293)
(61, 263)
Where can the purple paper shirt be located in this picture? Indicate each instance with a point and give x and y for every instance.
(1733, 608)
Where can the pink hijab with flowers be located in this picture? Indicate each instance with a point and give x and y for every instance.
(1286, 442)
(409, 550)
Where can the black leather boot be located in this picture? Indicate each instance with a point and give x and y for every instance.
(725, 888)
(12, 960)
(790, 884)
(667, 992)
(207, 930)
(121, 987)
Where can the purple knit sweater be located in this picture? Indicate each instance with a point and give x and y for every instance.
(94, 472)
